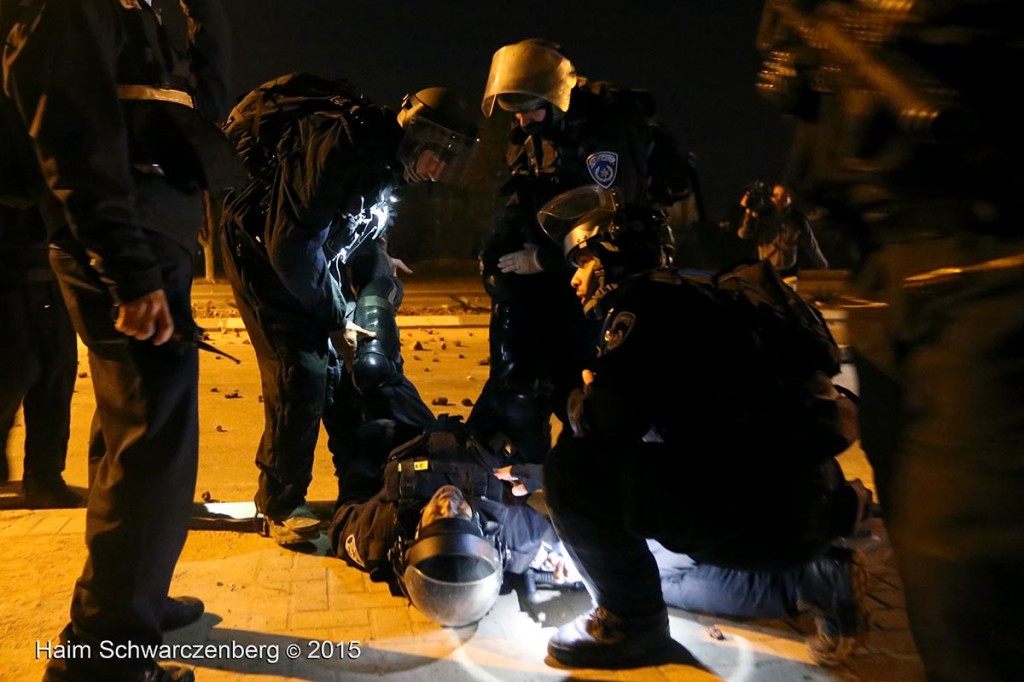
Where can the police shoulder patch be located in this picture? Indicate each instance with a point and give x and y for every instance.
(617, 330)
(603, 167)
(353, 552)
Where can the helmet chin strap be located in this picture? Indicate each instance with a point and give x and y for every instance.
(598, 287)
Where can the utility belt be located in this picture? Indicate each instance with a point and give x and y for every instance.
(171, 139)
(419, 479)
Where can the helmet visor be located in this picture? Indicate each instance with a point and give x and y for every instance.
(531, 72)
(453, 579)
(574, 217)
(430, 151)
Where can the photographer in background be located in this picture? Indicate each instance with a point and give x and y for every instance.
(782, 232)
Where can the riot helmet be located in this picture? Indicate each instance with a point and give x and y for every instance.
(605, 238)
(528, 75)
(439, 133)
(593, 219)
(452, 571)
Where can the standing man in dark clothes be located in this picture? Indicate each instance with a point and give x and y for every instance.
(42, 357)
(306, 254)
(126, 136)
(567, 132)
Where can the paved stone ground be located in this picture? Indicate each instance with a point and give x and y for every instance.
(345, 627)
(261, 596)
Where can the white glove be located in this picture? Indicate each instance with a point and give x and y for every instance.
(523, 262)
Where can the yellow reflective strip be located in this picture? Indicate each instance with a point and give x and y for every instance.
(147, 92)
(945, 274)
(421, 465)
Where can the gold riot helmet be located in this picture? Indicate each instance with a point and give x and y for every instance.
(527, 74)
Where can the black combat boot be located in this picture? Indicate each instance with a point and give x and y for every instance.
(833, 589)
(600, 639)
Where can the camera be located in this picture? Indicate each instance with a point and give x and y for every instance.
(759, 198)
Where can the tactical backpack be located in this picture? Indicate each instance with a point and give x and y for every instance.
(797, 354)
(670, 171)
(445, 453)
(257, 122)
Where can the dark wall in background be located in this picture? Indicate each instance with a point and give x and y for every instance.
(697, 57)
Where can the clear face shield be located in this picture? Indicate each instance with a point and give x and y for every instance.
(451, 572)
(574, 217)
(434, 153)
(530, 71)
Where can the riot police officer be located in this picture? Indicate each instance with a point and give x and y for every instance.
(317, 290)
(127, 137)
(706, 453)
(567, 133)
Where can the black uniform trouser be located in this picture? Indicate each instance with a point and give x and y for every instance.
(940, 371)
(606, 501)
(305, 383)
(581, 485)
(141, 498)
(40, 354)
(537, 349)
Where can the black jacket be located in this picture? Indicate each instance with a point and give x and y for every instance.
(331, 166)
(121, 165)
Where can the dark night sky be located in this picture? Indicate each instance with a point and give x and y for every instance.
(696, 56)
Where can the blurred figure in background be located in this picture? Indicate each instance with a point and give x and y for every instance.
(904, 128)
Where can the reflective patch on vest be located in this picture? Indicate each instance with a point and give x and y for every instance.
(620, 327)
(353, 553)
(603, 167)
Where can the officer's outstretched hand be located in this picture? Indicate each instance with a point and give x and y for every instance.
(519, 489)
(346, 340)
(398, 264)
(524, 262)
(146, 317)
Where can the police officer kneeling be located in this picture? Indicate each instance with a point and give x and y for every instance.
(689, 432)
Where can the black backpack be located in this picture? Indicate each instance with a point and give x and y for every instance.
(798, 356)
(257, 122)
(670, 171)
(445, 453)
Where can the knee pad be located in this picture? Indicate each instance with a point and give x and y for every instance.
(378, 360)
(372, 369)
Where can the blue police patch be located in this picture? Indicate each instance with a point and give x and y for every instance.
(603, 167)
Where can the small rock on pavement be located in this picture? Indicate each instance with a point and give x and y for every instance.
(417, 346)
(440, 400)
(468, 402)
(485, 362)
(82, 375)
(221, 429)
